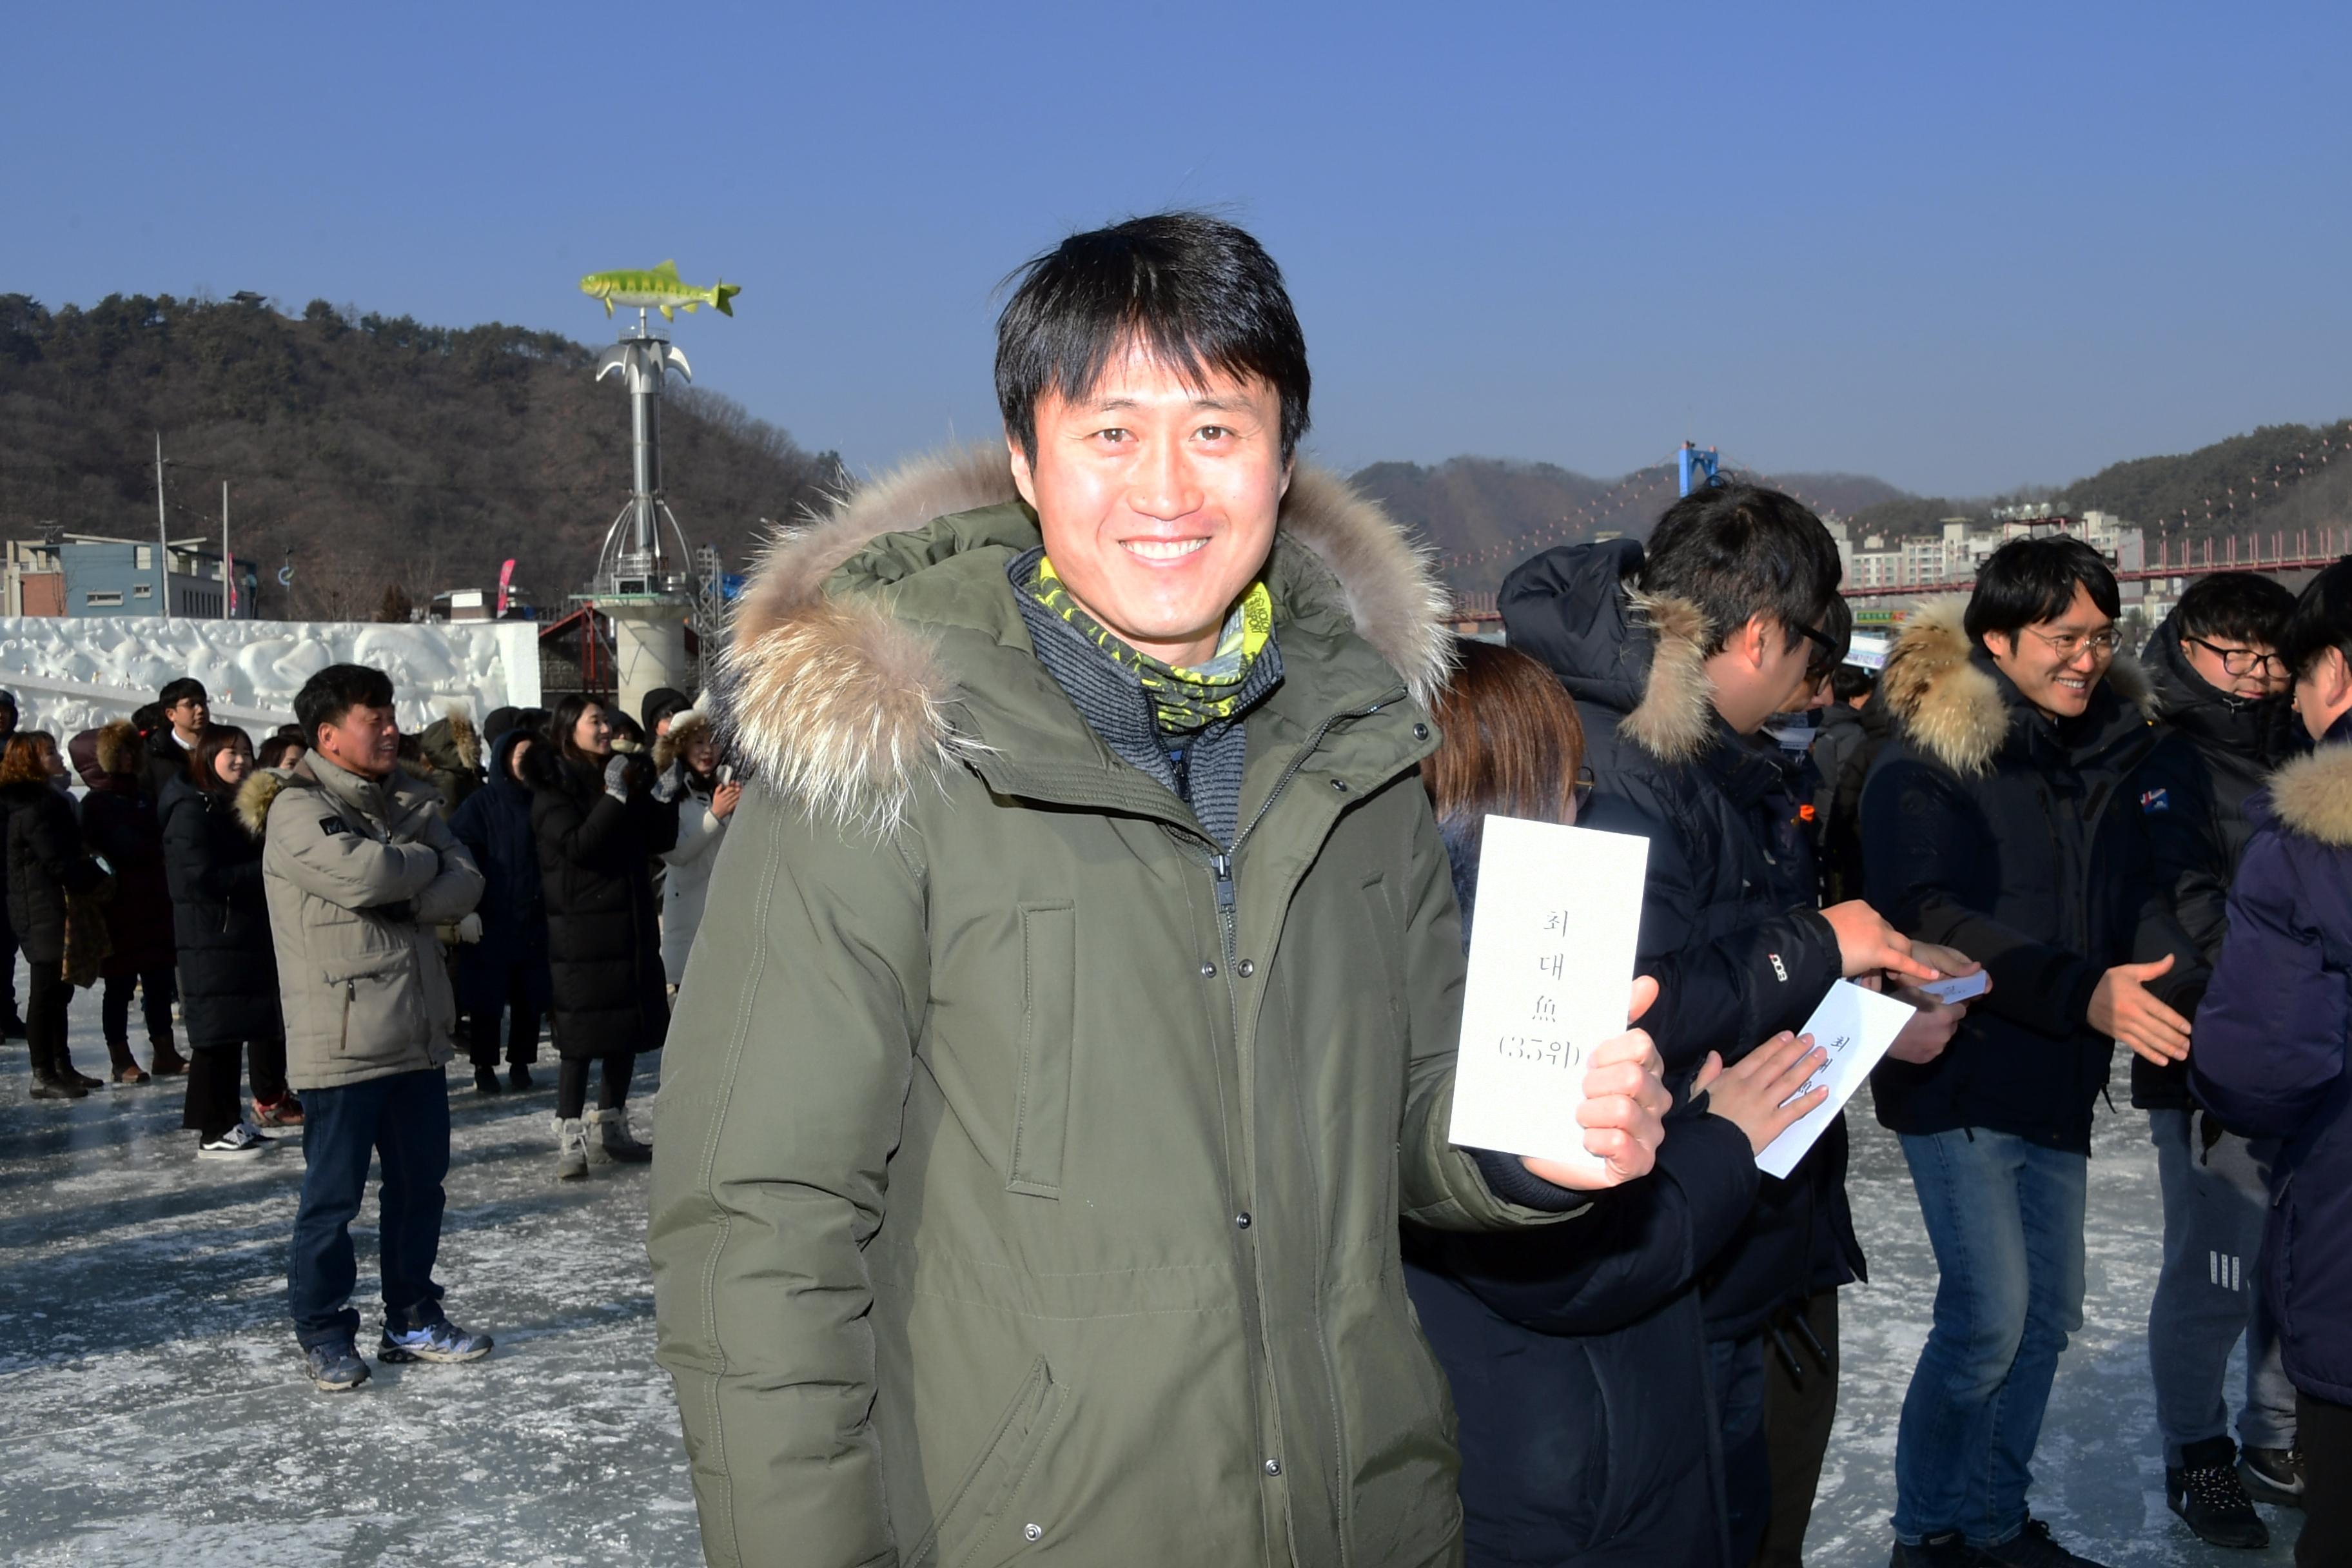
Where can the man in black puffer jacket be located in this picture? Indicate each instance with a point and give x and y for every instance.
(1676, 660)
(1995, 821)
(2227, 724)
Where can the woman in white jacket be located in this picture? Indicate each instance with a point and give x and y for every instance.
(704, 809)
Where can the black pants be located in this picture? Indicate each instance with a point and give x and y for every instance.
(154, 1001)
(403, 1121)
(212, 1107)
(522, 1026)
(571, 1083)
(45, 1020)
(1799, 1411)
(2324, 1431)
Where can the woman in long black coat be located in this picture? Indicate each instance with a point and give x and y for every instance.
(599, 823)
(228, 964)
(121, 824)
(45, 862)
(505, 974)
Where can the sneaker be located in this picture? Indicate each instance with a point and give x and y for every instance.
(239, 1143)
(284, 1111)
(612, 1140)
(485, 1082)
(2033, 1547)
(519, 1076)
(1945, 1550)
(336, 1368)
(2272, 1475)
(2205, 1491)
(439, 1340)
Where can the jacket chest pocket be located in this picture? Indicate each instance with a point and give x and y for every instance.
(370, 996)
(1041, 1106)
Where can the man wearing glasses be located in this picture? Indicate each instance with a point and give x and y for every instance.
(1998, 820)
(2227, 724)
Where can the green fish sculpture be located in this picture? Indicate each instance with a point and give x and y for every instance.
(659, 289)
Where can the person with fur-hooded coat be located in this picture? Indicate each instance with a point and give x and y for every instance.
(705, 807)
(452, 751)
(120, 824)
(2274, 1049)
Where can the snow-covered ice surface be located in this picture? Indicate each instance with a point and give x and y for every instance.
(75, 673)
(151, 1409)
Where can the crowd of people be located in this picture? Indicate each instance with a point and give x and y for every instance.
(1056, 1154)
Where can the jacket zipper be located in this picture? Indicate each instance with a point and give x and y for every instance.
(351, 995)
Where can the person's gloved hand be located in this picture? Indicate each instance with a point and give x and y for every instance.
(470, 929)
(672, 781)
(617, 779)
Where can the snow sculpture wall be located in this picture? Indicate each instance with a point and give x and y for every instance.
(70, 675)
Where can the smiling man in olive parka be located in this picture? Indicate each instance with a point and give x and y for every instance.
(1074, 1012)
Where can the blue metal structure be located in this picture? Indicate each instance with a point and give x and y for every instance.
(1696, 459)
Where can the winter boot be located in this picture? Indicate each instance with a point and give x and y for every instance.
(485, 1082)
(48, 1088)
(2272, 1475)
(570, 1149)
(2205, 1491)
(519, 1076)
(614, 1145)
(169, 1062)
(126, 1066)
(63, 1069)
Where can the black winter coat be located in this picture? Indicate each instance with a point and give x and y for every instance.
(604, 923)
(1729, 922)
(494, 822)
(45, 861)
(228, 963)
(120, 824)
(2273, 1051)
(1987, 827)
(2214, 754)
(1578, 1366)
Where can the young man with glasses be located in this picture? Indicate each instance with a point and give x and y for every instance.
(1997, 820)
(1678, 654)
(2228, 723)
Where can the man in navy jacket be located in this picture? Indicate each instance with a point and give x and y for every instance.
(2271, 1049)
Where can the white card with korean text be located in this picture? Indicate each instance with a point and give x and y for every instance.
(1854, 1026)
(1552, 973)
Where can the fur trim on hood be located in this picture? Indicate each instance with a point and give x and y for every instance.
(116, 742)
(453, 739)
(1675, 718)
(2312, 796)
(1949, 705)
(256, 793)
(841, 704)
(684, 725)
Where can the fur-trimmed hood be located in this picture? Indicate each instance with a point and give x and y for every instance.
(834, 698)
(1952, 704)
(1640, 656)
(256, 793)
(451, 743)
(106, 757)
(261, 789)
(2312, 796)
(684, 725)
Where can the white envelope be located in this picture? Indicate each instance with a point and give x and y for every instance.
(1551, 974)
(1855, 1026)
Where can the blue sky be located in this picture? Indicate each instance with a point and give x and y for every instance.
(1964, 247)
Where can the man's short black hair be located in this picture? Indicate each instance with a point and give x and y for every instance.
(2029, 581)
(1741, 551)
(1200, 294)
(334, 691)
(1848, 682)
(2322, 619)
(187, 688)
(2242, 606)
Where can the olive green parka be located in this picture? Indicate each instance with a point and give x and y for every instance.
(1028, 1170)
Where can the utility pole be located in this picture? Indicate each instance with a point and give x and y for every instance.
(229, 565)
(163, 538)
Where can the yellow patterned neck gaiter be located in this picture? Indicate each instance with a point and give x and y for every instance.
(1183, 699)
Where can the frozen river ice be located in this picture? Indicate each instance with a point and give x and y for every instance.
(152, 1410)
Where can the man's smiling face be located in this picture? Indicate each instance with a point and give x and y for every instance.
(2057, 664)
(1158, 498)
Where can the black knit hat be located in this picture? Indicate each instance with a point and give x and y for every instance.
(500, 721)
(659, 704)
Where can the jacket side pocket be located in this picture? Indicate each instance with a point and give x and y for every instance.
(1041, 1108)
(975, 1510)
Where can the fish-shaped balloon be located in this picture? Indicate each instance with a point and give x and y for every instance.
(656, 290)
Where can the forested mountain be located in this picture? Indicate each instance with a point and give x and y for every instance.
(366, 452)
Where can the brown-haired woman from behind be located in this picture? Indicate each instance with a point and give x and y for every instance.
(1578, 1355)
(45, 863)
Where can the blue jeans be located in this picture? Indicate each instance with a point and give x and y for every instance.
(405, 1120)
(2005, 1217)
